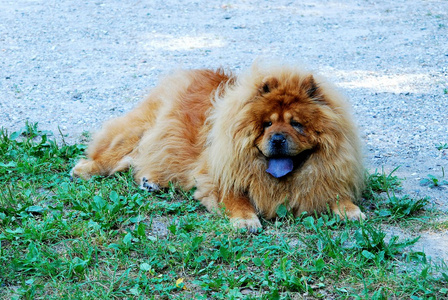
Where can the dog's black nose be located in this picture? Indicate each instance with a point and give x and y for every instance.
(278, 140)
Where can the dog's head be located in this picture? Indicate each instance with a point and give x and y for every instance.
(276, 118)
(289, 117)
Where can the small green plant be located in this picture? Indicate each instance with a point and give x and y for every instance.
(442, 146)
(380, 182)
(401, 207)
(371, 241)
(434, 181)
(85, 136)
(283, 212)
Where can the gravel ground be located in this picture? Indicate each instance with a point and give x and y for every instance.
(73, 64)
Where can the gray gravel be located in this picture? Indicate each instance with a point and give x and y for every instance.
(74, 64)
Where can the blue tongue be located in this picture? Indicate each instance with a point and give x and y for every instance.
(279, 167)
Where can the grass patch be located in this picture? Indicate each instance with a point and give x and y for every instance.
(377, 182)
(384, 203)
(396, 208)
(104, 238)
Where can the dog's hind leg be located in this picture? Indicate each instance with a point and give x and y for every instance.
(112, 149)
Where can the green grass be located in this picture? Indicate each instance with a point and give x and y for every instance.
(105, 239)
(381, 183)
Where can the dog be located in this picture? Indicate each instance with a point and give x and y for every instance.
(273, 135)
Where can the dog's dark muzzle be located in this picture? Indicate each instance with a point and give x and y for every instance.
(278, 145)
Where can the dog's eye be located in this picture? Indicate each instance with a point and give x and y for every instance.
(296, 125)
(267, 124)
(266, 88)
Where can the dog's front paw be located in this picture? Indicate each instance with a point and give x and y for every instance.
(356, 214)
(348, 211)
(149, 186)
(252, 224)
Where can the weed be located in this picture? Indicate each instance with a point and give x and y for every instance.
(442, 146)
(382, 182)
(377, 182)
(434, 181)
(401, 207)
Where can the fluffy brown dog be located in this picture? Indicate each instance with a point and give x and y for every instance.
(249, 143)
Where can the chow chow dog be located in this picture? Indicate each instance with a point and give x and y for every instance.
(272, 135)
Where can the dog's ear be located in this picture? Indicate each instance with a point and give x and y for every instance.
(268, 84)
(310, 86)
(312, 89)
